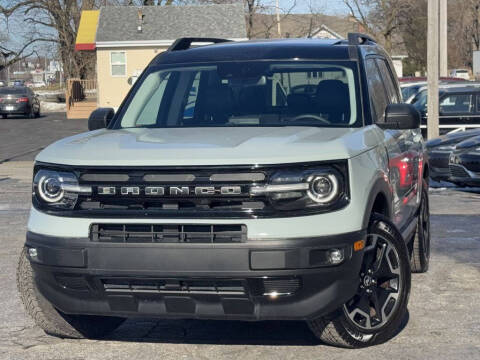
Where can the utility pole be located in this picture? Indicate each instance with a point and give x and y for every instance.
(432, 68)
(277, 10)
(443, 38)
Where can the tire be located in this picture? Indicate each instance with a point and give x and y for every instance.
(53, 321)
(31, 114)
(420, 244)
(342, 327)
(4, 116)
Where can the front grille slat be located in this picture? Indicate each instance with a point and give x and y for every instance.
(458, 171)
(173, 286)
(151, 233)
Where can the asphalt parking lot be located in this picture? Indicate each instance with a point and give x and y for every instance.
(443, 318)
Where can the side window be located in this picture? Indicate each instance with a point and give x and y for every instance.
(388, 81)
(376, 90)
(460, 103)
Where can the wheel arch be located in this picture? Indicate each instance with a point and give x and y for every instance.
(379, 200)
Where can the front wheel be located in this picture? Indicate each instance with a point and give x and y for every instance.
(53, 321)
(377, 310)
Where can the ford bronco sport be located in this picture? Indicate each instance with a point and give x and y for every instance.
(251, 180)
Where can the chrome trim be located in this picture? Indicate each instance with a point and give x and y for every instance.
(77, 189)
(258, 190)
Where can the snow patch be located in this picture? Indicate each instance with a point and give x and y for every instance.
(47, 106)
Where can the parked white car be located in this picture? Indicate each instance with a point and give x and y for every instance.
(460, 73)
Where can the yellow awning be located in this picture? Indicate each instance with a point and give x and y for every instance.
(87, 30)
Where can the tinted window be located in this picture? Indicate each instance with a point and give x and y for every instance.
(13, 91)
(378, 96)
(245, 94)
(459, 103)
(388, 81)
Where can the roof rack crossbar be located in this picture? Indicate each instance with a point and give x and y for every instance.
(359, 39)
(186, 42)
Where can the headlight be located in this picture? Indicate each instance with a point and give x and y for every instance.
(316, 188)
(57, 189)
(323, 188)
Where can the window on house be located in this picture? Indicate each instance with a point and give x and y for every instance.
(118, 63)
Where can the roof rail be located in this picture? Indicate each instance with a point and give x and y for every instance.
(186, 42)
(359, 39)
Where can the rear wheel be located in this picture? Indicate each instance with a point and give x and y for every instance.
(53, 321)
(420, 244)
(377, 310)
(31, 114)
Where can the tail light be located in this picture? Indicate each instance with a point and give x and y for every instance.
(22, 100)
(1, 100)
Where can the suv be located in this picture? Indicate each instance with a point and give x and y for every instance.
(217, 192)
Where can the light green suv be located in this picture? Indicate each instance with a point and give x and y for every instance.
(255, 180)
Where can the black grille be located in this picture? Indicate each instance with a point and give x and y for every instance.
(174, 286)
(146, 192)
(458, 172)
(286, 286)
(149, 233)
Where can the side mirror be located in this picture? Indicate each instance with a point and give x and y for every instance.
(131, 80)
(100, 118)
(401, 117)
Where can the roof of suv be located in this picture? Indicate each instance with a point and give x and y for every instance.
(300, 49)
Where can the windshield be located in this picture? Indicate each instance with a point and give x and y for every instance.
(408, 91)
(244, 94)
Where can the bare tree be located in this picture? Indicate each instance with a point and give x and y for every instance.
(55, 22)
(377, 17)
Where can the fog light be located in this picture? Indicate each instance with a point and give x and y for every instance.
(335, 256)
(33, 253)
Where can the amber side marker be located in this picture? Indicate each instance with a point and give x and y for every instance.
(358, 245)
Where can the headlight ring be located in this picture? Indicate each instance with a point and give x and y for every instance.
(323, 188)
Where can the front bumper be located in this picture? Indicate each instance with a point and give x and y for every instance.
(465, 168)
(438, 161)
(253, 280)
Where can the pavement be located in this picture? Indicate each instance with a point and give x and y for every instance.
(443, 319)
(22, 139)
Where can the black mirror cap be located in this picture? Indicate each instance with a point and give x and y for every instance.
(100, 118)
(401, 117)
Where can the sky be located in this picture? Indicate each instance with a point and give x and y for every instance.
(330, 7)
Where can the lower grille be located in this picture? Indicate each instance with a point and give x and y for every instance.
(288, 286)
(149, 233)
(457, 171)
(170, 286)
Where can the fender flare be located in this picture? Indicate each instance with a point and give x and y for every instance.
(380, 186)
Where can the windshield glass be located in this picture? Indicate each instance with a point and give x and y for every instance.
(408, 91)
(244, 94)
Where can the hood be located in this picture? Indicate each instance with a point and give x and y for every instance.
(210, 146)
(472, 142)
(452, 139)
